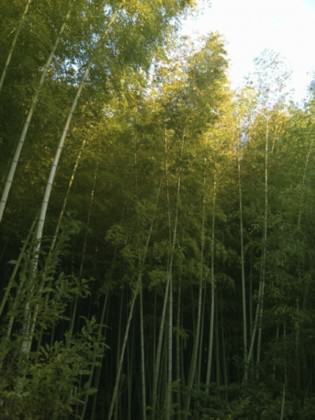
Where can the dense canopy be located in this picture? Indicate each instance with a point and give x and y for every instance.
(157, 240)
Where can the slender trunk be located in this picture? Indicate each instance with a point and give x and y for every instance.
(122, 356)
(53, 170)
(274, 371)
(12, 312)
(224, 358)
(12, 48)
(93, 368)
(201, 348)
(58, 227)
(17, 266)
(33, 319)
(84, 247)
(168, 299)
(178, 353)
(168, 295)
(142, 346)
(211, 330)
(27, 342)
(264, 254)
(255, 326)
(196, 345)
(154, 333)
(242, 265)
(169, 398)
(257, 323)
(282, 413)
(119, 338)
(217, 347)
(300, 213)
(143, 381)
(282, 403)
(157, 363)
(158, 351)
(99, 367)
(130, 370)
(130, 316)
(251, 299)
(66, 198)
(297, 347)
(306, 164)
(21, 141)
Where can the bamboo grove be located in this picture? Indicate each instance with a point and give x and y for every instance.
(157, 228)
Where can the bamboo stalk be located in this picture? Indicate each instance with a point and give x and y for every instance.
(143, 377)
(53, 170)
(212, 313)
(306, 164)
(257, 323)
(178, 352)
(26, 344)
(16, 268)
(264, 254)
(242, 263)
(168, 299)
(283, 403)
(17, 154)
(91, 375)
(122, 355)
(196, 344)
(84, 247)
(13, 44)
(66, 197)
(130, 316)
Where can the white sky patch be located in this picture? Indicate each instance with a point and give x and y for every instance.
(250, 26)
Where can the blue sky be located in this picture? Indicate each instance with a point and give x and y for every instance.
(250, 26)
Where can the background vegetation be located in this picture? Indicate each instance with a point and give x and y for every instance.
(157, 229)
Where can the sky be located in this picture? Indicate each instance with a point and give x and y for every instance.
(250, 26)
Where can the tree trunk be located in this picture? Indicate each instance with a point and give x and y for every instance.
(90, 380)
(178, 352)
(212, 313)
(17, 266)
(12, 48)
(27, 342)
(143, 380)
(130, 316)
(17, 154)
(264, 254)
(242, 264)
(66, 198)
(196, 345)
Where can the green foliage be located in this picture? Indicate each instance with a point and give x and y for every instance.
(144, 224)
(53, 381)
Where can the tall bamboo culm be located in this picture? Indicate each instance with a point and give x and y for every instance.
(13, 44)
(21, 141)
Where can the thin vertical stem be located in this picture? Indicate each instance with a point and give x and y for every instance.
(143, 381)
(196, 344)
(178, 352)
(130, 316)
(168, 299)
(264, 254)
(11, 51)
(17, 154)
(66, 197)
(212, 313)
(242, 263)
(29, 324)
